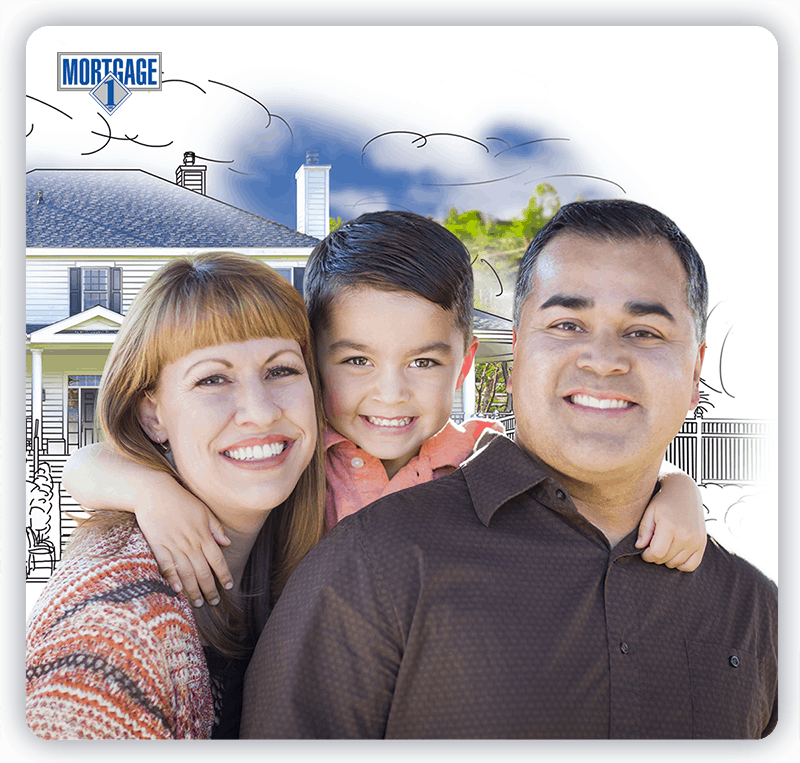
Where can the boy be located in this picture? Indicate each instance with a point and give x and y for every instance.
(389, 297)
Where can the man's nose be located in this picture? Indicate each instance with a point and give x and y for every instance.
(255, 404)
(605, 353)
(391, 387)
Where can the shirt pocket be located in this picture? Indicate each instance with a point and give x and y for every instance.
(729, 699)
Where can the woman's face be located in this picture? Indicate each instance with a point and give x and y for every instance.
(240, 421)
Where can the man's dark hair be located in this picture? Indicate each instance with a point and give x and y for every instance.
(391, 251)
(618, 220)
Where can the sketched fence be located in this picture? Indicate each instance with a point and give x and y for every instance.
(726, 451)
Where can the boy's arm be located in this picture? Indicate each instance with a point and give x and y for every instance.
(673, 527)
(182, 531)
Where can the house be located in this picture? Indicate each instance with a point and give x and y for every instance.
(94, 237)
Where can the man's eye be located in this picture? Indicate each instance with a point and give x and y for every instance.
(424, 363)
(642, 334)
(568, 326)
(357, 361)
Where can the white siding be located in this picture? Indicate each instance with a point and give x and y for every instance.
(47, 291)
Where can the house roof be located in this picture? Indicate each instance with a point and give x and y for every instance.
(133, 208)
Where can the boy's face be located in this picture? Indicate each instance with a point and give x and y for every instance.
(390, 362)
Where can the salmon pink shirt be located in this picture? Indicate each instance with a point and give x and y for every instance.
(356, 478)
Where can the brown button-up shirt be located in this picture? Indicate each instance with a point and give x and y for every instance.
(482, 604)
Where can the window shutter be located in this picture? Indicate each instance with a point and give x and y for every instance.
(74, 291)
(115, 302)
(297, 279)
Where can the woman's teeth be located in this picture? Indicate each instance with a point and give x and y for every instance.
(389, 422)
(593, 402)
(257, 452)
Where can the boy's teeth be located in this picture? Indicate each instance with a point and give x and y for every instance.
(593, 402)
(389, 422)
(257, 452)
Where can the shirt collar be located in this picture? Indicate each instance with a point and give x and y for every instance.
(502, 471)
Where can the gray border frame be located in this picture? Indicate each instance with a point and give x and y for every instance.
(19, 19)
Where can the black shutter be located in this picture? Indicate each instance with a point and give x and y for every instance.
(115, 303)
(297, 279)
(74, 291)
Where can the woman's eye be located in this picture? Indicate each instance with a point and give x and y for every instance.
(424, 363)
(280, 372)
(211, 381)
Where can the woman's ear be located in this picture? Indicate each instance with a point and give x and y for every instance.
(147, 413)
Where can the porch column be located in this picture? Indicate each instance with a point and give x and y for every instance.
(36, 391)
(468, 394)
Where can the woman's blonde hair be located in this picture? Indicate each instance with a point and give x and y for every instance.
(202, 301)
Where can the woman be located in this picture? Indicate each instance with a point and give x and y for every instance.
(212, 380)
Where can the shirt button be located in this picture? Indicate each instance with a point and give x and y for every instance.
(734, 661)
(561, 495)
(623, 647)
(357, 462)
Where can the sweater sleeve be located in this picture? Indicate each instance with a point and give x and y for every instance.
(121, 664)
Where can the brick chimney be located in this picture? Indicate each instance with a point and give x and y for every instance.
(313, 197)
(190, 175)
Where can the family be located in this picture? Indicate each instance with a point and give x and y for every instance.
(289, 538)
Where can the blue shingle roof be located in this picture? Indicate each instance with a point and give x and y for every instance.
(489, 322)
(133, 208)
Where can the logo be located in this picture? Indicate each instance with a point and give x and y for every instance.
(110, 93)
(109, 78)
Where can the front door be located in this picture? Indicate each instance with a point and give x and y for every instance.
(88, 400)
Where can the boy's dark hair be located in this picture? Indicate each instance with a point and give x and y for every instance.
(391, 251)
(615, 220)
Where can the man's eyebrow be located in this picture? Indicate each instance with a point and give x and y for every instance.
(567, 301)
(648, 308)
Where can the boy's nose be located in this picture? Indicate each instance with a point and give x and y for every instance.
(255, 405)
(391, 388)
(605, 354)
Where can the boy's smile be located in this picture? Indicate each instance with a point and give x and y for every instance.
(390, 363)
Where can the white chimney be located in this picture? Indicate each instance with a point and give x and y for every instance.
(190, 175)
(313, 197)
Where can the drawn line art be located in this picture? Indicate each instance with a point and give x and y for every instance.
(722, 349)
(186, 82)
(29, 131)
(218, 161)
(238, 172)
(496, 276)
(269, 113)
(107, 137)
(478, 182)
(50, 105)
(577, 175)
(448, 134)
(367, 199)
(501, 139)
(526, 143)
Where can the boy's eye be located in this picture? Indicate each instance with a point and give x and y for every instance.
(424, 363)
(357, 361)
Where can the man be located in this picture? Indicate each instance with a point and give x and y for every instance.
(508, 599)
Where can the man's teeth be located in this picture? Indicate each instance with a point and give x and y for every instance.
(389, 422)
(593, 402)
(257, 452)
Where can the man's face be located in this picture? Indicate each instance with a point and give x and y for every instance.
(606, 361)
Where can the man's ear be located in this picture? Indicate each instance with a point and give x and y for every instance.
(147, 413)
(511, 370)
(698, 367)
(467, 364)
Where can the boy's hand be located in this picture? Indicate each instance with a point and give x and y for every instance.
(185, 538)
(673, 528)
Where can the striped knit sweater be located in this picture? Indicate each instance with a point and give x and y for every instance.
(112, 651)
